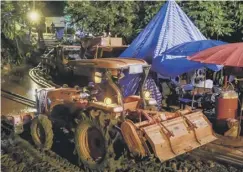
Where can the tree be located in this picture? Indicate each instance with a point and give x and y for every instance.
(15, 26)
(11, 13)
(145, 11)
(215, 19)
(124, 19)
(11, 27)
(97, 17)
(235, 12)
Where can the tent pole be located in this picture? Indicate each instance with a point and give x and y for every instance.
(225, 81)
(241, 109)
(241, 106)
(205, 81)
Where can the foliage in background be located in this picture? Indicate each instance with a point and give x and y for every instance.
(98, 17)
(236, 14)
(15, 30)
(145, 11)
(216, 20)
(124, 19)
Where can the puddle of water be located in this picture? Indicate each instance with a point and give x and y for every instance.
(20, 83)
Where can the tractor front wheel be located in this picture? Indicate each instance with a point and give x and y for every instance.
(41, 132)
(91, 145)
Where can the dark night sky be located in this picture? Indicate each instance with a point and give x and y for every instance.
(54, 8)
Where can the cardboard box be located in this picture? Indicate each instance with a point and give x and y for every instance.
(105, 41)
(111, 41)
(116, 41)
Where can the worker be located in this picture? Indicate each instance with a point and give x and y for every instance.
(53, 28)
(40, 29)
(151, 86)
(165, 88)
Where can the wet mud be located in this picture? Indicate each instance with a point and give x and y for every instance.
(19, 82)
(18, 153)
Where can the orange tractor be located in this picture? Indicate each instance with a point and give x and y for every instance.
(105, 124)
(55, 61)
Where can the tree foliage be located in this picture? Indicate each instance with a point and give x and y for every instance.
(215, 19)
(99, 16)
(145, 11)
(11, 20)
(15, 26)
(236, 14)
(123, 18)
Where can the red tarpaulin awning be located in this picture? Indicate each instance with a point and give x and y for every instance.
(227, 55)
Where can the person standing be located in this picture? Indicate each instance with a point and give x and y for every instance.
(164, 88)
(40, 29)
(151, 86)
(53, 28)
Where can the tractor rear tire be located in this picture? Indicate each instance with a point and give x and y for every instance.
(41, 132)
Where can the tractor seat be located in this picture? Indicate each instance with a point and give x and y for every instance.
(132, 98)
(131, 102)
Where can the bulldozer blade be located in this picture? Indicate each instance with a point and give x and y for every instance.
(170, 138)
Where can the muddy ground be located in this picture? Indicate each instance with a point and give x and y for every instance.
(18, 154)
(17, 81)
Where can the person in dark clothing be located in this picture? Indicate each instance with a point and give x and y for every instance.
(40, 29)
(53, 28)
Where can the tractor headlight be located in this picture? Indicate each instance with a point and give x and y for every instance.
(108, 101)
(98, 77)
(118, 109)
(152, 102)
(146, 94)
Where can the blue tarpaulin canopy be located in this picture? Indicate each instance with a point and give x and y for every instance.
(173, 62)
(169, 27)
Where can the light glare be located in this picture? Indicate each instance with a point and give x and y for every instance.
(34, 16)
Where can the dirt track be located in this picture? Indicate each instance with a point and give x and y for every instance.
(18, 155)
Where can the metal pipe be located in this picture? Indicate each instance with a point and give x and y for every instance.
(17, 95)
(143, 81)
(241, 105)
(115, 87)
(241, 108)
(19, 100)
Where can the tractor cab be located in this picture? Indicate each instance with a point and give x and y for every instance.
(66, 53)
(54, 62)
(112, 80)
(101, 47)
